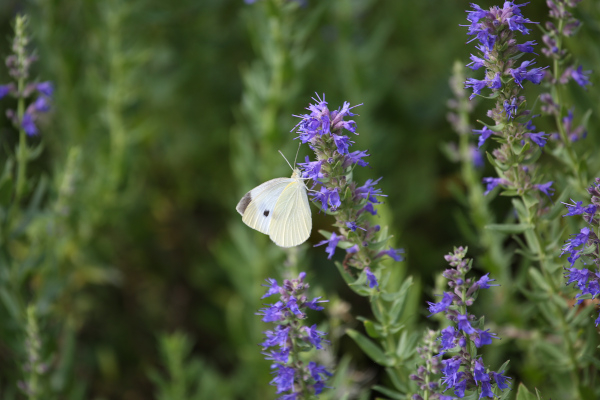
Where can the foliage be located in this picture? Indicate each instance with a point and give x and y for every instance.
(136, 126)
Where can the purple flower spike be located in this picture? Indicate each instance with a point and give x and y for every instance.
(500, 380)
(328, 198)
(40, 105)
(443, 305)
(484, 134)
(5, 90)
(476, 85)
(464, 324)
(331, 244)
(28, 125)
(579, 239)
(371, 278)
(539, 138)
(495, 82)
(356, 158)
(314, 336)
(312, 169)
(581, 77)
(477, 157)
(491, 183)
(448, 338)
(395, 254)
(527, 47)
(45, 88)
(284, 379)
(273, 288)
(289, 336)
(484, 337)
(342, 142)
(516, 23)
(511, 108)
(476, 62)
(574, 209)
(484, 282)
(521, 73)
(479, 372)
(545, 188)
(352, 250)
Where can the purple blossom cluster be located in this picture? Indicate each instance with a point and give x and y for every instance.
(464, 370)
(564, 25)
(38, 95)
(497, 31)
(425, 376)
(335, 192)
(289, 337)
(585, 245)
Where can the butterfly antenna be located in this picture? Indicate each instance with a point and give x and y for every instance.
(286, 160)
(296, 158)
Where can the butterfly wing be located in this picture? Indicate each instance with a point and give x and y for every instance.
(291, 223)
(257, 206)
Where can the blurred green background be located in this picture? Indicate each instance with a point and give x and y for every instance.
(169, 111)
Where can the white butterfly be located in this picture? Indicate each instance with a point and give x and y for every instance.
(279, 208)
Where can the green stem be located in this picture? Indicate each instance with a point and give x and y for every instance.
(21, 155)
(572, 157)
(555, 291)
(296, 363)
(22, 149)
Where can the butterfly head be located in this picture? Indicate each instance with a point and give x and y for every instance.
(297, 173)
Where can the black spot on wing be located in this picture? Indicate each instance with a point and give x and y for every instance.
(243, 204)
(266, 213)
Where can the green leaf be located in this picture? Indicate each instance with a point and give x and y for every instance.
(380, 244)
(539, 280)
(522, 210)
(6, 187)
(347, 277)
(396, 379)
(407, 345)
(10, 304)
(496, 163)
(344, 245)
(509, 228)
(378, 308)
(586, 117)
(35, 152)
(518, 149)
(371, 349)
(397, 308)
(524, 394)
(533, 158)
(392, 394)
(371, 328)
(530, 201)
(509, 193)
(495, 128)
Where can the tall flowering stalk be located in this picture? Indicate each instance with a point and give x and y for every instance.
(20, 255)
(471, 159)
(271, 82)
(334, 191)
(499, 50)
(585, 245)
(563, 71)
(464, 372)
(498, 32)
(284, 344)
(34, 366)
(33, 99)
